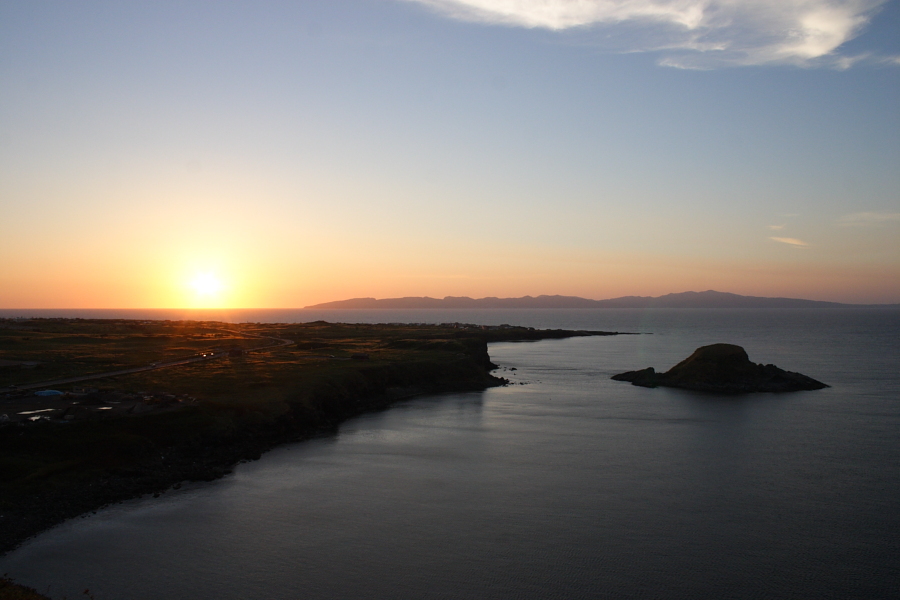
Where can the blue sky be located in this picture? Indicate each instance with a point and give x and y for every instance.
(310, 151)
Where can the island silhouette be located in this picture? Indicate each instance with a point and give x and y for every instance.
(722, 368)
(707, 299)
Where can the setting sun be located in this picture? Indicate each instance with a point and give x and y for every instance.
(206, 284)
(207, 288)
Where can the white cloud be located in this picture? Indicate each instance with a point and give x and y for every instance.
(776, 227)
(869, 218)
(694, 33)
(791, 241)
(563, 14)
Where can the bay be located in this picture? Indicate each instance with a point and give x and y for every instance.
(564, 484)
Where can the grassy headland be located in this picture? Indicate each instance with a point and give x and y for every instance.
(114, 438)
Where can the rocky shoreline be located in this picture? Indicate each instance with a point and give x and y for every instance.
(193, 461)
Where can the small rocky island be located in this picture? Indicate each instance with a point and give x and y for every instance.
(722, 368)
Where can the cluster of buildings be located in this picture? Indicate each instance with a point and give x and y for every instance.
(82, 403)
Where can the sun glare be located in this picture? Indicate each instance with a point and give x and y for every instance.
(206, 285)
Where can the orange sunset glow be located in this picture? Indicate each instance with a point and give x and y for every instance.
(287, 179)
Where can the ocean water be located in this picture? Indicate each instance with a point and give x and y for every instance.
(564, 484)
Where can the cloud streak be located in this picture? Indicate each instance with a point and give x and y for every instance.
(694, 33)
(869, 218)
(789, 241)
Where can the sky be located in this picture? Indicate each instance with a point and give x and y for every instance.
(282, 153)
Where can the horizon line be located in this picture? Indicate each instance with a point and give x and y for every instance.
(313, 306)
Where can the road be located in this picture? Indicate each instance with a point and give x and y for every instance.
(276, 343)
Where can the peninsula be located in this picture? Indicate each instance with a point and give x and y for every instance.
(94, 412)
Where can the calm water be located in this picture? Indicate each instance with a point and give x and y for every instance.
(570, 486)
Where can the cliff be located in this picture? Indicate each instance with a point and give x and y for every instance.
(52, 470)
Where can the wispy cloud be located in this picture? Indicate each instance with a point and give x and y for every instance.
(869, 218)
(776, 227)
(791, 241)
(695, 34)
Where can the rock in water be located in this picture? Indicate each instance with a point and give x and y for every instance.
(722, 368)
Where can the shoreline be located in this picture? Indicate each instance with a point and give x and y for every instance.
(183, 463)
(205, 442)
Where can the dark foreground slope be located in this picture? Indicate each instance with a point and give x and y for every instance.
(10, 590)
(53, 470)
(722, 368)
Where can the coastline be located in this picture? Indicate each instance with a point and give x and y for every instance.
(192, 462)
(204, 442)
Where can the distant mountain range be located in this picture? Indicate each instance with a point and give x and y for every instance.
(708, 299)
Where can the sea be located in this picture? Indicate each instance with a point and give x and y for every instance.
(562, 484)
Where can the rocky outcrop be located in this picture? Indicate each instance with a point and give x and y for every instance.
(722, 368)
